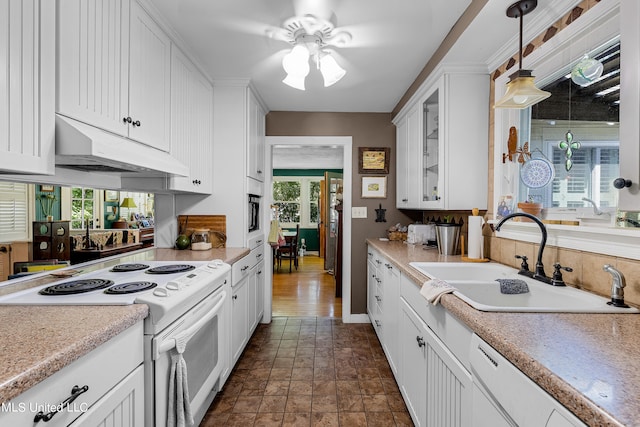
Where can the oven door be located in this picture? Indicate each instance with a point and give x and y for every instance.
(203, 329)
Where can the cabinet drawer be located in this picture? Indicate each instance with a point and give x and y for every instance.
(445, 325)
(240, 269)
(100, 370)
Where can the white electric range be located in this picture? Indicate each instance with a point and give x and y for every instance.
(188, 308)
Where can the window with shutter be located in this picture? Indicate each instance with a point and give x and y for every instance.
(14, 215)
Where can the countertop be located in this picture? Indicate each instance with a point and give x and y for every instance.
(38, 341)
(590, 363)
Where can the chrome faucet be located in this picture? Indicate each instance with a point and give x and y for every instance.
(596, 209)
(539, 272)
(617, 286)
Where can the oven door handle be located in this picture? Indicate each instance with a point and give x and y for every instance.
(188, 333)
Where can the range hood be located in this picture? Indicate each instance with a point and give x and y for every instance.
(87, 148)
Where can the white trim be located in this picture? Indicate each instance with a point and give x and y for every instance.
(346, 143)
(359, 318)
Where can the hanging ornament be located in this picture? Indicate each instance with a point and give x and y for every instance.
(568, 145)
(586, 71)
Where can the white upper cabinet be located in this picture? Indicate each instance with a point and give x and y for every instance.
(114, 66)
(27, 84)
(191, 125)
(149, 81)
(442, 138)
(255, 138)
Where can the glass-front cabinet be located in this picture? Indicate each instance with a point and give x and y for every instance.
(442, 144)
(430, 149)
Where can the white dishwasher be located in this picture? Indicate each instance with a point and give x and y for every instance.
(504, 396)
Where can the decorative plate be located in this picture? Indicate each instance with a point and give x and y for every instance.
(536, 173)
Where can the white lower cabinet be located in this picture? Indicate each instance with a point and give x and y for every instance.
(108, 385)
(239, 319)
(391, 313)
(247, 299)
(435, 385)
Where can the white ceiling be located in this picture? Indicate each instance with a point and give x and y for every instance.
(392, 41)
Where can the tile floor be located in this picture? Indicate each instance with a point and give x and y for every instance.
(307, 371)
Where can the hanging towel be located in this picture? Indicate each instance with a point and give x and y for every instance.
(433, 290)
(179, 411)
(273, 231)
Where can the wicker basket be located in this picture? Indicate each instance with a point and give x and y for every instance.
(397, 235)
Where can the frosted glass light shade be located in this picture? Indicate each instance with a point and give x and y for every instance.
(331, 71)
(521, 92)
(295, 81)
(296, 62)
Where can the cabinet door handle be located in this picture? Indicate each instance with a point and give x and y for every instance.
(3, 249)
(126, 120)
(405, 200)
(421, 342)
(136, 123)
(235, 297)
(378, 298)
(259, 272)
(378, 323)
(259, 172)
(75, 393)
(244, 268)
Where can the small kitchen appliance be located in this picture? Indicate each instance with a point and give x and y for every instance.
(421, 233)
(189, 302)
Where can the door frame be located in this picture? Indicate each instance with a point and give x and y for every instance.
(346, 143)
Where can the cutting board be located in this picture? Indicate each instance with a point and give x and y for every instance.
(217, 225)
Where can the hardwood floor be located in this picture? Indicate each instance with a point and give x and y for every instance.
(309, 291)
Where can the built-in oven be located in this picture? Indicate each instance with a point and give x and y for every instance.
(254, 213)
(188, 358)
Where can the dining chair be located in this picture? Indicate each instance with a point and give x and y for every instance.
(289, 250)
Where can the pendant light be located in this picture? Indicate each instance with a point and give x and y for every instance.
(521, 91)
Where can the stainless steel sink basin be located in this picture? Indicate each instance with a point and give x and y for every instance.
(475, 284)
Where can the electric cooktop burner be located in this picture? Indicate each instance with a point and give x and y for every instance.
(130, 288)
(76, 287)
(170, 269)
(123, 268)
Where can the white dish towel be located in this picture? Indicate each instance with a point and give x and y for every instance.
(179, 411)
(433, 290)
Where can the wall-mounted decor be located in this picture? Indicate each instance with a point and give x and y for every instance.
(47, 188)
(373, 160)
(374, 187)
(111, 196)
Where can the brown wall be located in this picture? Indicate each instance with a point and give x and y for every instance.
(367, 130)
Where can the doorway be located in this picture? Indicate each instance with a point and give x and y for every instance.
(307, 284)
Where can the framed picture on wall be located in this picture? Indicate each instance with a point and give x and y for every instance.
(373, 160)
(46, 188)
(374, 187)
(111, 196)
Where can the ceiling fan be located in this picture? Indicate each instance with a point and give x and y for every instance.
(310, 32)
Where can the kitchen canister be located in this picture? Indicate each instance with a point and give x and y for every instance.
(200, 239)
(447, 237)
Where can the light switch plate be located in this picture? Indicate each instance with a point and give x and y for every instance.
(358, 212)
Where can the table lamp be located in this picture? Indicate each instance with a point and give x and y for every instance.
(128, 203)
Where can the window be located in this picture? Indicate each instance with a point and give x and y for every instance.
(14, 211)
(297, 200)
(82, 207)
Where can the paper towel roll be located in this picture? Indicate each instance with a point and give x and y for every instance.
(475, 243)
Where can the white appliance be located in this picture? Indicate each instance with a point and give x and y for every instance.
(421, 233)
(505, 397)
(188, 303)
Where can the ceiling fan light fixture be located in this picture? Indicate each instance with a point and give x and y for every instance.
(331, 71)
(295, 81)
(521, 92)
(309, 35)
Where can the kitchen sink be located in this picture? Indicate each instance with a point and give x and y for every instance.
(475, 284)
